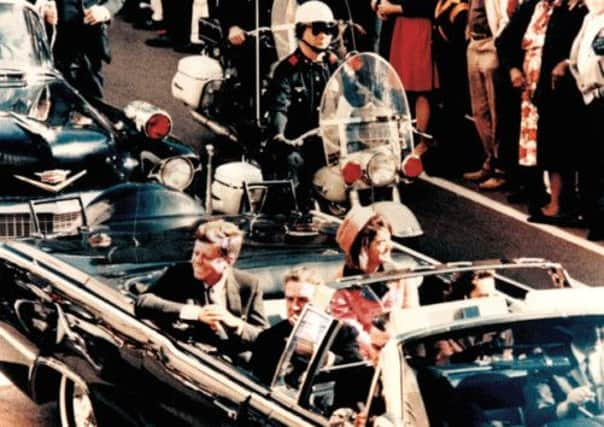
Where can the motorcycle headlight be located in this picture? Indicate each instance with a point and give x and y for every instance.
(381, 170)
(177, 173)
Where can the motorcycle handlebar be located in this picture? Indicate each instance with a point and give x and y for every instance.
(285, 27)
(299, 141)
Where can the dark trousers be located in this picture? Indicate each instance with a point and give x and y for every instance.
(79, 59)
(591, 169)
(177, 18)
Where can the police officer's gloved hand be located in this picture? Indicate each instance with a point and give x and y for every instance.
(280, 139)
(96, 14)
(598, 44)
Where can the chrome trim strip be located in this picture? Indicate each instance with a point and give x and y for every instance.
(49, 187)
(19, 343)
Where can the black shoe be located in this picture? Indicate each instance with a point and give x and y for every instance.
(162, 40)
(540, 218)
(149, 25)
(561, 220)
(595, 234)
(187, 48)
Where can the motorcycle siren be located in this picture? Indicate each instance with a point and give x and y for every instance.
(316, 15)
(351, 172)
(154, 122)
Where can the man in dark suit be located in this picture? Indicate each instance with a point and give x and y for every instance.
(572, 398)
(82, 42)
(224, 305)
(300, 285)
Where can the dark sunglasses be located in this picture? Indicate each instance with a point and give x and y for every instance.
(318, 27)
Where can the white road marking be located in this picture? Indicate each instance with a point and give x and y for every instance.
(513, 213)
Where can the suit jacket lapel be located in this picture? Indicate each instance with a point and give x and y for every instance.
(233, 295)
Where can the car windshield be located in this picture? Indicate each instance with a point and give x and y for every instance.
(507, 373)
(22, 40)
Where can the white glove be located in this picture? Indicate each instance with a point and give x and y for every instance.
(96, 14)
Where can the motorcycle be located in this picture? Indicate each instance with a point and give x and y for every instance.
(367, 135)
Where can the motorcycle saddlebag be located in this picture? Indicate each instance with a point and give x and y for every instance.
(227, 187)
(193, 76)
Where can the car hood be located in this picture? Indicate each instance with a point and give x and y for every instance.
(46, 126)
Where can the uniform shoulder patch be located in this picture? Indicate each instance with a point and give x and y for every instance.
(293, 60)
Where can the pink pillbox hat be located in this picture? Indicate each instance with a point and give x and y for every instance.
(351, 226)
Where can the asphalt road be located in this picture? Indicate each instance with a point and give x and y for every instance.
(455, 228)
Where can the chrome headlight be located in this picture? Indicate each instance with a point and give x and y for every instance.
(381, 170)
(177, 173)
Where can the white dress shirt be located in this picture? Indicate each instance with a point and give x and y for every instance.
(216, 293)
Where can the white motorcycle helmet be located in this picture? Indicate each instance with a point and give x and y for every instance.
(194, 78)
(314, 12)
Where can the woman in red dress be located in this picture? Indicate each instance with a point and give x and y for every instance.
(411, 54)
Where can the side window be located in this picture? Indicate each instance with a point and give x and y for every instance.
(303, 353)
(340, 384)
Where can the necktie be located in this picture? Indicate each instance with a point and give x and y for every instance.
(209, 295)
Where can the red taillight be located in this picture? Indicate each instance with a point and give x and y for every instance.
(412, 166)
(351, 172)
(158, 126)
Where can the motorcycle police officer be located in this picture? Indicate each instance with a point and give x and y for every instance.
(82, 42)
(295, 95)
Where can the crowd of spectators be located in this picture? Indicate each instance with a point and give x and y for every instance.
(493, 73)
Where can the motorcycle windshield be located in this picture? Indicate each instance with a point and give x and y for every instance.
(282, 25)
(23, 43)
(364, 107)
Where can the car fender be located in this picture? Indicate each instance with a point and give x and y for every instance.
(404, 223)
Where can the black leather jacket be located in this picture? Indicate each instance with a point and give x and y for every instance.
(295, 93)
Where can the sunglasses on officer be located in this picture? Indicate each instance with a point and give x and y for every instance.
(318, 27)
